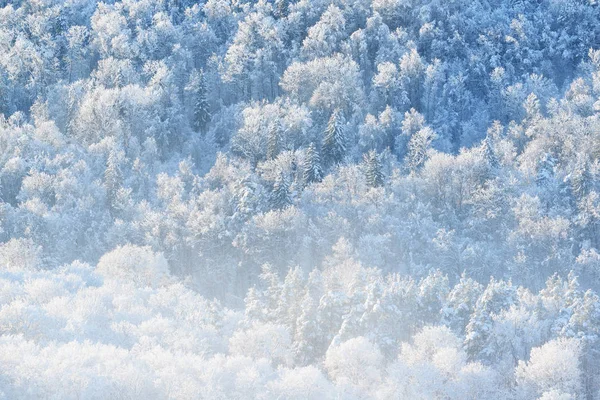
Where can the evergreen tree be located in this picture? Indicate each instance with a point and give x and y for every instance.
(311, 168)
(280, 197)
(273, 141)
(334, 140)
(307, 331)
(290, 305)
(201, 107)
(581, 180)
(497, 296)
(545, 171)
(490, 155)
(461, 304)
(309, 339)
(373, 171)
(418, 147)
(113, 178)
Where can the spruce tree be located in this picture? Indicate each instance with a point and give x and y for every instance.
(545, 171)
(113, 178)
(280, 196)
(201, 107)
(418, 147)
(311, 168)
(489, 154)
(273, 141)
(334, 140)
(373, 171)
(581, 180)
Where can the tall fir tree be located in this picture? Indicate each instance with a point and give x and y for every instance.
(489, 154)
(373, 171)
(491, 161)
(545, 170)
(113, 177)
(201, 107)
(280, 196)
(273, 141)
(334, 139)
(581, 180)
(418, 148)
(311, 168)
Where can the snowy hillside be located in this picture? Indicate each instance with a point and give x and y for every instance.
(300, 199)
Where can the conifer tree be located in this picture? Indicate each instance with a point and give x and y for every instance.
(280, 197)
(334, 140)
(113, 177)
(274, 141)
(545, 171)
(581, 180)
(418, 147)
(201, 107)
(373, 171)
(311, 168)
(489, 154)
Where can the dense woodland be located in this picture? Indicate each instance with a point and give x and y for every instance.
(324, 199)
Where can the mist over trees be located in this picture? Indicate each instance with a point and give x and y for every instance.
(357, 199)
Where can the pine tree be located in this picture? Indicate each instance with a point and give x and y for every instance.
(309, 338)
(461, 304)
(418, 147)
(489, 154)
(497, 296)
(311, 168)
(581, 180)
(306, 339)
(113, 177)
(292, 291)
(273, 142)
(334, 140)
(280, 197)
(545, 171)
(201, 107)
(373, 169)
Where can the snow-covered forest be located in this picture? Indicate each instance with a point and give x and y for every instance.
(300, 199)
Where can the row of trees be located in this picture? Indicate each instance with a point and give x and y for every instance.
(128, 329)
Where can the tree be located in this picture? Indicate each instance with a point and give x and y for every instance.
(273, 141)
(263, 340)
(356, 361)
(545, 171)
(201, 107)
(134, 264)
(461, 304)
(324, 37)
(282, 8)
(325, 84)
(280, 196)
(20, 255)
(373, 171)
(497, 296)
(581, 179)
(551, 367)
(418, 148)
(309, 339)
(489, 153)
(334, 139)
(113, 177)
(311, 166)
